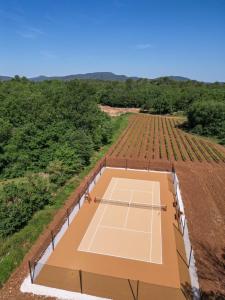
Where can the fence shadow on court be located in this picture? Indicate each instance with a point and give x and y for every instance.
(100, 285)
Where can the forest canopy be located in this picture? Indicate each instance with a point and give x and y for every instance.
(49, 130)
(48, 133)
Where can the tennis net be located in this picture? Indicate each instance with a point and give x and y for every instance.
(133, 204)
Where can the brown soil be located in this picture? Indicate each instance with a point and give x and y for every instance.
(203, 192)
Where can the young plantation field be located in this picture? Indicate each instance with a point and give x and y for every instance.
(159, 138)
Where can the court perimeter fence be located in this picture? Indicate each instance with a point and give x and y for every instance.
(65, 216)
(100, 285)
(190, 260)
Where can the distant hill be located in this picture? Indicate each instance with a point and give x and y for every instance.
(179, 78)
(176, 78)
(94, 76)
(4, 78)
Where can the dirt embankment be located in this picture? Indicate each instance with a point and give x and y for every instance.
(117, 111)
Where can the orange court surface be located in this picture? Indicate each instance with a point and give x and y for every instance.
(124, 244)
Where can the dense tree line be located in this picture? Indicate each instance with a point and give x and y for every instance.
(50, 129)
(48, 122)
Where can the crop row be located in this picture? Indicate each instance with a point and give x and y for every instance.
(156, 137)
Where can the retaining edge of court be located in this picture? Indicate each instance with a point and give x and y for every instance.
(187, 243)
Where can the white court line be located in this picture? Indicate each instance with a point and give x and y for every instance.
(100, 220)
(136, 190)
(160, 231)
(160, 226)
(123, 257)
(128, 209)
(124, 229)
(151, 229)
(140, 170)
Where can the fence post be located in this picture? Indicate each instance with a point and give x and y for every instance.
(173, 168)
(137, 290)
(81, 287)
(189, 260)
(68, 217)
(184, 226)
(176, 190)
(131, 289)
(79, 203)
(30, 270)
(52, 237)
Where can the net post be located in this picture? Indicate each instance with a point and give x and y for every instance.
(126, 164)
(52, 239)
(68, 217)
(81, 286)
(148, 165)
(30, 271)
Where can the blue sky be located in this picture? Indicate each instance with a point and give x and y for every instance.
(140, 38)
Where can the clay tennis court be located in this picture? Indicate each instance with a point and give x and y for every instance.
(124, 225)
(124, 244)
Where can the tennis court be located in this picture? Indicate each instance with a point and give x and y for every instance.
(121, 243)
(127, 223)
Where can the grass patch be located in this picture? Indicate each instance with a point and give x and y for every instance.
(14, 248)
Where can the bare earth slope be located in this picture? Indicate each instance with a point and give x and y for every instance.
(117, 111)
(203, 192)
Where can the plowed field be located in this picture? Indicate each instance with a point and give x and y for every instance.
(159, 138)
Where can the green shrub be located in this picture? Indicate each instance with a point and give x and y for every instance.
(19, 201)
(207, 118)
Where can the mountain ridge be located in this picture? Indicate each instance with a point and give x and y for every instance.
(94, 76)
